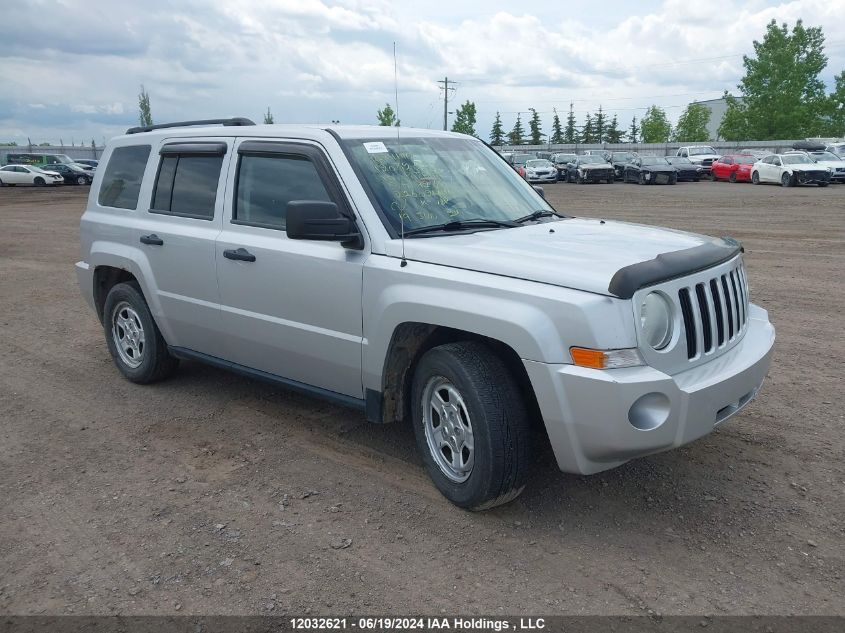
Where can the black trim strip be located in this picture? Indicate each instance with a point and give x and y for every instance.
(194, 149)
(318, 392)
(626, 281)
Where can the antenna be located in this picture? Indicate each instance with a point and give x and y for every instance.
(399, 146)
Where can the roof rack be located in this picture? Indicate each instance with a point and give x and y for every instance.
(235, 121)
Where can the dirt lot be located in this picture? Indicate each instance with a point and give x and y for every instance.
(215, 494)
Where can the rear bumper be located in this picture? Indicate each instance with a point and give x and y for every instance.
(599, 419)
(85, 278)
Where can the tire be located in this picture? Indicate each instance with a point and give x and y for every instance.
(786, 180)
(823, 184)
(81, 180)
(642, 179)
(486, 401)
(39, 182)
(755, 178)
(2, 184)
(133, 337)
(611, 181)
(732, 177)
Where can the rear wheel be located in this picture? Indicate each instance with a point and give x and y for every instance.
(471, 425)
(39, 181)
(133, 339)
(786, 180)
(81, 180)
(2, 184)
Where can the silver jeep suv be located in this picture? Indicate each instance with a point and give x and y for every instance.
(413, 275)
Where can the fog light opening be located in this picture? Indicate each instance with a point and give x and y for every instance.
(649, 411)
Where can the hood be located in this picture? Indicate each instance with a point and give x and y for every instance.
(589, 166)
(582, 253)
(666, 167)
(700, 157)
(806, 167)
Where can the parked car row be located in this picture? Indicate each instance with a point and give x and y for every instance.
(40, 170)
(807, 164)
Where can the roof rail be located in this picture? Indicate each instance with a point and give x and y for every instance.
(236, 121)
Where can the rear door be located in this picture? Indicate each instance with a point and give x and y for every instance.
(177, 233)
(291, 308)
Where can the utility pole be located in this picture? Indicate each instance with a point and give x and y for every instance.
(445, 88)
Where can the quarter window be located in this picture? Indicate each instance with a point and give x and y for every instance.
(122, 179)
(187, 186)
(267, 183)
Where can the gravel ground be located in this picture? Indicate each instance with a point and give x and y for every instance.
(214, 494)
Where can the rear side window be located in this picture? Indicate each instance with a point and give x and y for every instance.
(187, 185)
(267, 183)
(122, 179)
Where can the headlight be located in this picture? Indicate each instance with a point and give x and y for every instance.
(656, 320)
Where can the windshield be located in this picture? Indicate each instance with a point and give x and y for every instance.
(745, 160)
(678, 160)
(565, 158)
(653, 160)
(622, 157)
(826, 156)
(698, 151)
(425, 181)
(591, 159)
(796, 159)
(538, 164)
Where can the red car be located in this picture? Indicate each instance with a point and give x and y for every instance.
(736, 168)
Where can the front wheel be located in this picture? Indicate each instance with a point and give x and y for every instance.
(81, 180)
(39, 182)
(133, 339)
(732, 177)
(786, 180)
(823, 184)
(471, 425)
(642, 179)
(755, 178)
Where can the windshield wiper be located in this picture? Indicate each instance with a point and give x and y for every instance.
(457, 225)
(542, 213)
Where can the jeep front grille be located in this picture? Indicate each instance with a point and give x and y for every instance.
(714, 311)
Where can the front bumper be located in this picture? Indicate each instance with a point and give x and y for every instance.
(543, 178)
(599, 419)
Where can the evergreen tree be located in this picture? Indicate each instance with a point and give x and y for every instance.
(613, 134)
(268, 116)
(599, 125)
(534, 125)
(557, 130)
(497, 134)
(570, 133)
(145, 116)
(387, 116)
(588, 132)
(634, 131)
(517, 135)
(655, 126)
(465, 119)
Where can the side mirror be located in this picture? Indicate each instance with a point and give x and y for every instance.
(321, 221)
(540, 190)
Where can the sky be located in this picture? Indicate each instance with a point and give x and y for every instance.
(71, 70)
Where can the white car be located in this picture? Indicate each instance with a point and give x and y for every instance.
(836, 148)
(832, 162)
(28, 175)
(540, 170)
(790, 170)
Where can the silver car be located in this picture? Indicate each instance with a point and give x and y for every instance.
(414, 275)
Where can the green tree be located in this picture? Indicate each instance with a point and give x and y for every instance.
(268, 117)
(387, 116)
(517, 135)
(535, 126)
(145, 116)
(557, 130)
(588, 132)
(734, 125)
(465, 119)
(613, 134)
(570, 133)
(655, 126)
(836, 108)
(692, 124)
(497, 134)
(634, 131)
(782, 93)
(599, 125)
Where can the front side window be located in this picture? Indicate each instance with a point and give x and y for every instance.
(122, 180)
(187, 185)
(267, 183)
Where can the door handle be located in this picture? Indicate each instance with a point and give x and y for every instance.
(153, 239)
(241, 255)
